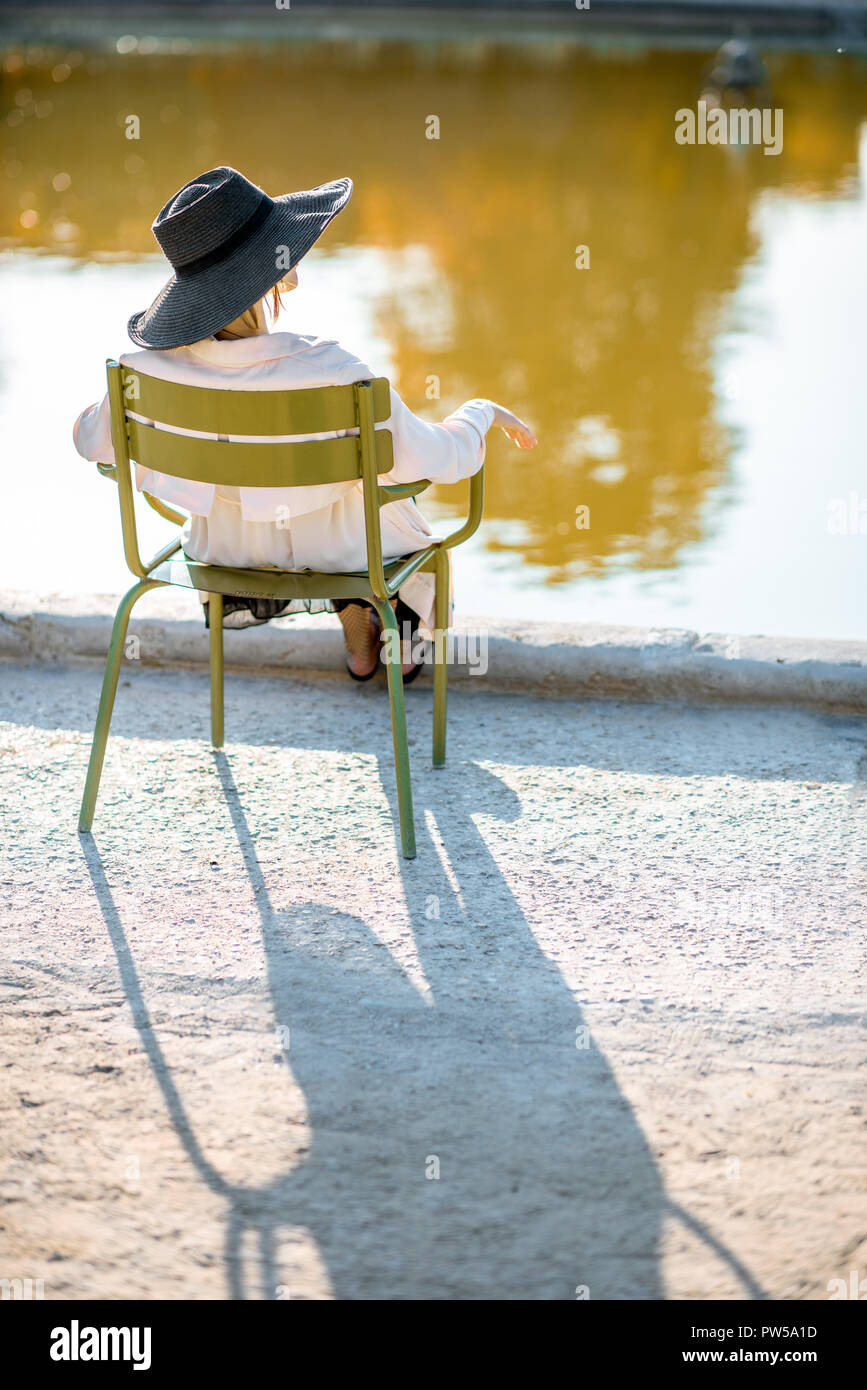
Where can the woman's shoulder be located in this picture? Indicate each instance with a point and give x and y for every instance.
(301, 342)
(269, 360)
(320, 350)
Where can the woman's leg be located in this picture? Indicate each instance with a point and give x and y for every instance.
(361, 632)
(360, 635)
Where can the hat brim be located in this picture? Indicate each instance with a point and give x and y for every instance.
(195, 306)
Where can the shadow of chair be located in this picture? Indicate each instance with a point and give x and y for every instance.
(463, 1145)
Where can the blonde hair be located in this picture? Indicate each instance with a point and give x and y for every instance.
(254, 319)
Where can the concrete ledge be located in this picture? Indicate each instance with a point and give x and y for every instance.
(564, 659)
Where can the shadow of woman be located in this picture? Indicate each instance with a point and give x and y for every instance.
(468, 1139)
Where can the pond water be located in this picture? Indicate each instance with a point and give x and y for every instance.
(699, 388)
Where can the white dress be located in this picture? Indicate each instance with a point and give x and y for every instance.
(319, 527)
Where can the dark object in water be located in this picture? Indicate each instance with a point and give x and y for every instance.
(735, 71)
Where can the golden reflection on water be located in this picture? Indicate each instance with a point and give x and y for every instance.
(611, 365)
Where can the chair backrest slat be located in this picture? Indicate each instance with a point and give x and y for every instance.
(215, 411)
(254, 465)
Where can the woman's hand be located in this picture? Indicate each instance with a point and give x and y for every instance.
(513, 427)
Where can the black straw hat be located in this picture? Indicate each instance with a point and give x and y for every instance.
(229, 244)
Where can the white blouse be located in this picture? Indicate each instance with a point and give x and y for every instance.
(320, 527)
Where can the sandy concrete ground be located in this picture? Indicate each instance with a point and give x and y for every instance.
(604, 1034)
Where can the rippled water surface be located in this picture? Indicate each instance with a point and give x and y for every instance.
(699, 388)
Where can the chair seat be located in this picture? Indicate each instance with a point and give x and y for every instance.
(275, 584)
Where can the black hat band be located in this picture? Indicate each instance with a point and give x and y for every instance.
(225, 248)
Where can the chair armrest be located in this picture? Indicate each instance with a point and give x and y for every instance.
(393, 492)
(170, 515)
(477, 503)
(109, 470)
(172, 546)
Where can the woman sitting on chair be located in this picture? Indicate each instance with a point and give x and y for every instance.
(234, 250)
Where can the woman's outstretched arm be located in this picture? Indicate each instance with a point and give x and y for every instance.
(452, 450)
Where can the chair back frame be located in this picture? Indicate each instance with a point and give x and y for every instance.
(363, 454)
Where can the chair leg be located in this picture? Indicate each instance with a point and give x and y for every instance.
(441, 623)
(215, 623)
(106, 700)
(398, 727)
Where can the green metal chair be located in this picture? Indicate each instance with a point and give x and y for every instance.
(365, 455)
